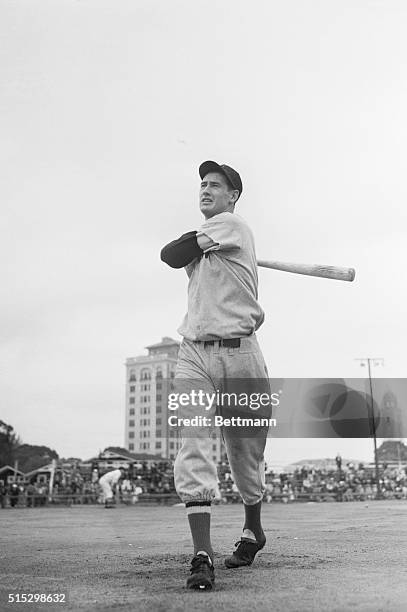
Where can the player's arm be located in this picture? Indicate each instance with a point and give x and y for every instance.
(219, 233)
(181, 252)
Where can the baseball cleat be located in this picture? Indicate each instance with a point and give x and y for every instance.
(202, 573)
(244, 554)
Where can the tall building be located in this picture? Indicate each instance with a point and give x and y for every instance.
(149, 380)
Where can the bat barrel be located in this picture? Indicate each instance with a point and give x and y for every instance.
(334, 272)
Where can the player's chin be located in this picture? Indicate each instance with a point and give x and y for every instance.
(207, 208)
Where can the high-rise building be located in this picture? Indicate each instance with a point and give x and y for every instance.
(149, 380)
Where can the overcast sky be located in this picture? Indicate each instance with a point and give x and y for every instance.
(107, 109)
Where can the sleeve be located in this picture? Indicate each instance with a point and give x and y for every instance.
(181, 252)
(223, 231)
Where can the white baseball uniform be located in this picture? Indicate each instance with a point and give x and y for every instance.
(108, 481)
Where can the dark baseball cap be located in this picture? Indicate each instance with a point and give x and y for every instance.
(231, 175)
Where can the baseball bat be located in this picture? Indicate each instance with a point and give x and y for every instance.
(344, 274)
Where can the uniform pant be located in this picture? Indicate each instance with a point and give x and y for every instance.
(107, 491)
(211, 369)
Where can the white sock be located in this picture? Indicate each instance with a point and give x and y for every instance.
(203, 552)
(247, 533)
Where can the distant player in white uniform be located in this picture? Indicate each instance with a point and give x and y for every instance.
(219, 346)
(108, 483)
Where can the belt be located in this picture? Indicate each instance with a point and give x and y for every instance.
(229, 342)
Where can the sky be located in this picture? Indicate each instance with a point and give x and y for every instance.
(107, 109)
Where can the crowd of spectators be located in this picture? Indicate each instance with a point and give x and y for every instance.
(150, 480)
(72, 487)
(157, 477)
(17, 494)
(351, 483)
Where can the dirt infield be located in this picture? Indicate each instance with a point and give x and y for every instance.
(348, 556)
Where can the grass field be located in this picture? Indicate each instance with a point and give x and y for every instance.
(318, 557)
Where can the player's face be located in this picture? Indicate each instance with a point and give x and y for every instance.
(215, 195)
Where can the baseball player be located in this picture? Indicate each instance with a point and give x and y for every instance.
(108, 483)
(219, 345)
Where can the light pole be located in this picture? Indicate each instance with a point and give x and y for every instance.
(369, 361)
(338, 460)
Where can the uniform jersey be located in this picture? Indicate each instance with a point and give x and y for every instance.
(111, 478)
(222, 290)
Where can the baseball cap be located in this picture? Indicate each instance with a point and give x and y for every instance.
(231, 175)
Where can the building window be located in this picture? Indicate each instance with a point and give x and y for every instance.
(158, 386)
(132, 400)
(158, 422)
(159, 373)
(158, 409)
(131, 411)
(131, 434)
(158, 444)
(158, 433)
(132, 389)
(132, 376)
(171, 444)
(131, 447)
(145, 375)
(131, 423)
(214, 447)
(158, 398)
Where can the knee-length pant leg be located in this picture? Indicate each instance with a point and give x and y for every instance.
(195, 471)
(246, 460)
(245, 445)
(106, 490)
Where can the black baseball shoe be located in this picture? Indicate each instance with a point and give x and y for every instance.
(245, 553)
(202, 573)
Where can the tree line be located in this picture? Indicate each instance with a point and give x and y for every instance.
(28, 457)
